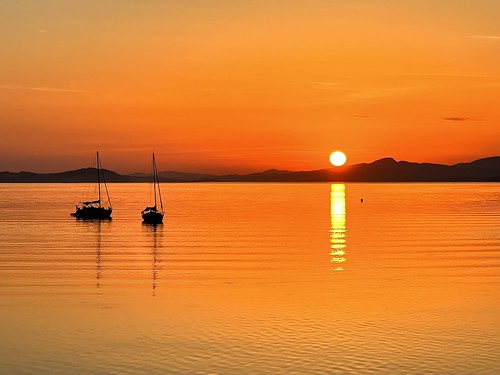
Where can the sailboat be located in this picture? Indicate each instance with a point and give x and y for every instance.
(151, 214)
(95, 209)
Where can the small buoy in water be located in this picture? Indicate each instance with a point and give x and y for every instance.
(361, 200)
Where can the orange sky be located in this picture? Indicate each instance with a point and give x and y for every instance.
(243, 86)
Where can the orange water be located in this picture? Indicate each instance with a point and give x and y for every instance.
(252, 278)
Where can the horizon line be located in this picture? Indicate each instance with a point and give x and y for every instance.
(256, 172)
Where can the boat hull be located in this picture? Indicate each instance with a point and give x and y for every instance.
(99, 213)
(152, 217)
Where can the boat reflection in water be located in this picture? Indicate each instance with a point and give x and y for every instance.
(337, 226)
(93, 229)
(98, 256)
(154, 232)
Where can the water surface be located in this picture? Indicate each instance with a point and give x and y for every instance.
(252, 278)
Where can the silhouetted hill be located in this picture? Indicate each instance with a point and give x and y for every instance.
(182, 176)
(383, 170)
(79, 175)
(390, 170)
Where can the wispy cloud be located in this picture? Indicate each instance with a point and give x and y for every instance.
(324, 85)
(462, 75)
(456, 118)
(381, 92)
(42, 89)
(488, 37)
(56, 89)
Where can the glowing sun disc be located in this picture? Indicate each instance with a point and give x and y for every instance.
(338, 158)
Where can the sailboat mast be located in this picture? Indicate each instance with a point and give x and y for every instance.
(98, 177)
(158, 183)
(105, 185)
(154, 177)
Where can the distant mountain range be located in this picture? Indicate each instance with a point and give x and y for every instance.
(383, 170)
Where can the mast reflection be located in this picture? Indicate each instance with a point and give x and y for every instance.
(98, 255)
(337, 226)
(155, 232)
(92, 229)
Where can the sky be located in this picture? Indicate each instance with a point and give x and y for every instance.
(245, 86)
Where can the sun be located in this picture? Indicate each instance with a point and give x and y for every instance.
(337, 158)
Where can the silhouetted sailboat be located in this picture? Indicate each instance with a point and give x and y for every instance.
(95, 209)
(151, 214)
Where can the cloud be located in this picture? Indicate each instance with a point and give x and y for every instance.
(488, 37)
(444, 74)
(42, 89)
(325, 85)
(456, 118)
(380, 92)
(54, 89)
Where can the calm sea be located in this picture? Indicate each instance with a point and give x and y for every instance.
(252, 279)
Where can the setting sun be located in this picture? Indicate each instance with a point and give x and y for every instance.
(337, 158)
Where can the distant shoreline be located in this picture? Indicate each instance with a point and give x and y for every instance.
(383, 170)
(260, 182)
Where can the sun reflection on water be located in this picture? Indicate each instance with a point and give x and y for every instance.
(337, 226)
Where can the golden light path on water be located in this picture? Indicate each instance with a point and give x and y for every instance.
(337, 225)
